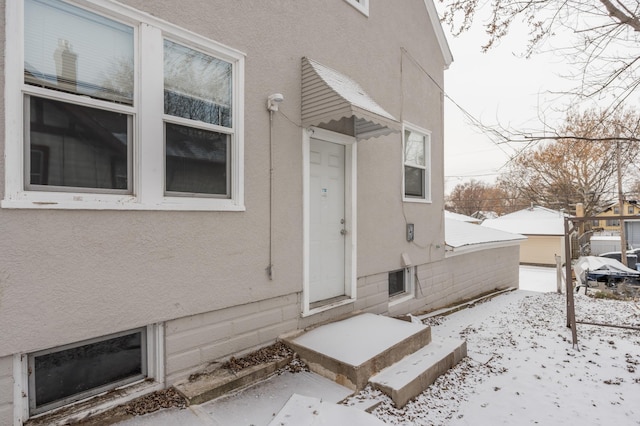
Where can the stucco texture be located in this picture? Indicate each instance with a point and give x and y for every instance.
(72, 275)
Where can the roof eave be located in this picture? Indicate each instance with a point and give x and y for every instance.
(440, 36)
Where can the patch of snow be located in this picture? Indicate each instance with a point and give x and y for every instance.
(538, 278)
(349, 344)
(522, 368)
(305, 411)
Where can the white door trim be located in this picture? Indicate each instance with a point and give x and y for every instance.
(350, 191)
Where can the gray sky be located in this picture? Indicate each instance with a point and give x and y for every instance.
(498, 87)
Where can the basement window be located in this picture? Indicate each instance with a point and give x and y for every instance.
(69, 373)
(401, 282)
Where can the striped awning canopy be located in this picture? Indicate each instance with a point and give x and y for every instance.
(328, 95)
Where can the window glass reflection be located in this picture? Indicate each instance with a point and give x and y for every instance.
(73, 50)
(196, 161)
(196, 86)
(77, 146)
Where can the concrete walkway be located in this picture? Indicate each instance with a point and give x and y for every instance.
(256, 405)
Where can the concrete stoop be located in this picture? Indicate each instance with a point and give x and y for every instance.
(350, 351)
(407, 378)
(395, 356)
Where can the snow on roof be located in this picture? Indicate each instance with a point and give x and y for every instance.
(463, 236)
(460, 217)
(530, 221)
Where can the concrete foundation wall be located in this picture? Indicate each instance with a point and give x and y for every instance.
(446, 282)
(195, 341)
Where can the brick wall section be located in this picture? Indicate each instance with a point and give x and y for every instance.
(6, 390)
(192, 342)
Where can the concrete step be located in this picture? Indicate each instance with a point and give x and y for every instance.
(218, 382)
(350, 351)
(410, 376)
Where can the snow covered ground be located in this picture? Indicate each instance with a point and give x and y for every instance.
(522, 368)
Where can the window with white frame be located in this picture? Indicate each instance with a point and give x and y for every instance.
(104, 126)
(66, 374)
(361, 5)
(417, 164)
(401, 282)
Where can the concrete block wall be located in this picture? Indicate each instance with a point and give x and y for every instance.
(468, 275)
(6, 390)
(373, 293)
(194, 341)
(443, 283)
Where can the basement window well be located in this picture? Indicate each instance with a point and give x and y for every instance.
(69, 373)
(401, 282)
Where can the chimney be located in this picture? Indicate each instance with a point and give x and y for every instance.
(66, 66)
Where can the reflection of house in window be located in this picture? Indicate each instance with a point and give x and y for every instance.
(77, 146)
(39, 170)
(196, 161)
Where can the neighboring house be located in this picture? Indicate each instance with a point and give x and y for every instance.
(544, 229)
(609, 222)
(186, 181)
(461, 217)
(481, 259)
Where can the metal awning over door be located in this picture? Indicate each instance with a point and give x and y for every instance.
(329, 96)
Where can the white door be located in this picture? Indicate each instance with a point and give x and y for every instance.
(326, 220)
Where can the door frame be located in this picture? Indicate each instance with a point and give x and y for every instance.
(350, 212)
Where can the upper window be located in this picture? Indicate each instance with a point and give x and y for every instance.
(417, 164)
(616, 210)
(95, 132)
(361, 5)
(613, 222)
(630, 210)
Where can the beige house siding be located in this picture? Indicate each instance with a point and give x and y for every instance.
(541, 249)
(118, 270)
(202, 273)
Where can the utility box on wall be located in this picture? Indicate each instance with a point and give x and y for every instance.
(410, 232)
